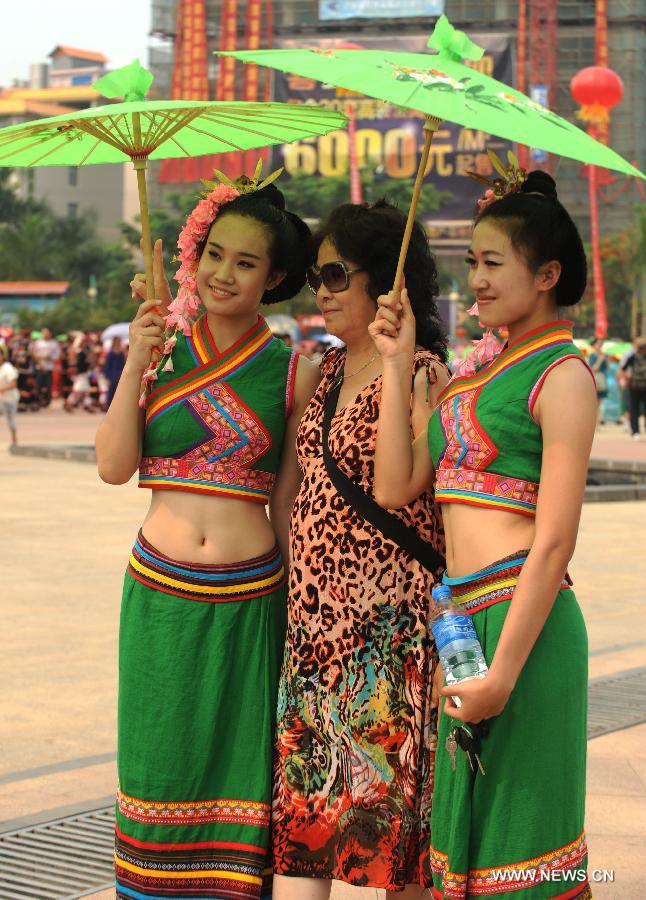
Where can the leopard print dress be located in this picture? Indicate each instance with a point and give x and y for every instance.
(355, 734)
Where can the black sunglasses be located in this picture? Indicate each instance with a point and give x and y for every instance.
(334, 275)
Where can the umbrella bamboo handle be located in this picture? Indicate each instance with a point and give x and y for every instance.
(430, 127)
(140, 167)
(140, 161)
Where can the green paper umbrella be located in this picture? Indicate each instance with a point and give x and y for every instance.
(443, 88)
(140, 129)
(616, 348)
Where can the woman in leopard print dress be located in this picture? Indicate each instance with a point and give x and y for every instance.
(356, 732)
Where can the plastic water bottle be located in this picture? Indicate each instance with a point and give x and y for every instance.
(456, 640)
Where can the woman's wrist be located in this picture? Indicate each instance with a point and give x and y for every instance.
(504, 678)
(133, 370)
(399, 364)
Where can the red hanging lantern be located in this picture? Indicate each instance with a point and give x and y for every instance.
(597, 89)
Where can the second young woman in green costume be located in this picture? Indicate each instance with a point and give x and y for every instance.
(508, 446)
(203, 611)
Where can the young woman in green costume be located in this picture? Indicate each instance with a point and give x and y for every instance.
(203, 610)
(508, 447)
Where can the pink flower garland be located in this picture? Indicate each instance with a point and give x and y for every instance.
(487, 200)
(483, 351)
(183, 309)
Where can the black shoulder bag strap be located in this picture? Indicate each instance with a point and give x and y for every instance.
(390, 526)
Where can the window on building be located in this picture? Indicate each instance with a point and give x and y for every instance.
(73, 175)
(72, 210)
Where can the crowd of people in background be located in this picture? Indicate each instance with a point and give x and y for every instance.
(621, 383)
(78, 368)
(82, 370)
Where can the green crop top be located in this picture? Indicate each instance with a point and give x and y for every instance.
(485, 444)
(216, 424)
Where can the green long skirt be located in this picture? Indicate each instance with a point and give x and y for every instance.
(199, 659)
(518, 829)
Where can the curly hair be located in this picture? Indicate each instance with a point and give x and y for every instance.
(370, 235)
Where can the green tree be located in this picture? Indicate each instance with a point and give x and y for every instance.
(640, 266)
(13, 206)
(40, 246)
(315, 198)
(623, 260)
(165, 223)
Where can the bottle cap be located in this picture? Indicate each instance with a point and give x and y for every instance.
(441, 593)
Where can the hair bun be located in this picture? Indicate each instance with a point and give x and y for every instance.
(302, 228)
(539, 182)
(272, 195)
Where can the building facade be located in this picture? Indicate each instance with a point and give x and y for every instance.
(108, 193)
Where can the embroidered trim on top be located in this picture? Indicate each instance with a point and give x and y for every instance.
(200, 342)
(467, 441)
(555, 334)
(478, 488)
(221, 464)
(500, 879)
(168, 395)
(199, 812)
(163, 473)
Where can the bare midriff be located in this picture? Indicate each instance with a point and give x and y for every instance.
(210, 530)
(476, 538)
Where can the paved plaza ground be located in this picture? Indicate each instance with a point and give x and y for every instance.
(64, 541)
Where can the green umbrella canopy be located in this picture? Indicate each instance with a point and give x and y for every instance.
(442, 86)
(138, 130)
(616, 348)
(157, 129)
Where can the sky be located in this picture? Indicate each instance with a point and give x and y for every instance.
(31, 30)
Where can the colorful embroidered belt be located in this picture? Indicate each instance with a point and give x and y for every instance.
(224, 583)
(493, 584)
(489, 489)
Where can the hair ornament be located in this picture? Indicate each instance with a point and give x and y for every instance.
(243, 184)
(512, 178)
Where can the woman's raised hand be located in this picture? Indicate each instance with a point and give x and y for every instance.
(163, 295)
(393, 328)
(146, 333)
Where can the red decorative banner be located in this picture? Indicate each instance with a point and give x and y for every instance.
(251, 42)
(355, 177)
(190, 82)
(600, 311)
(602, 131)
(269, 42)
(226, 86)
(521, 69)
